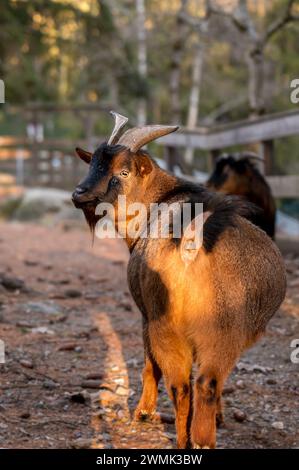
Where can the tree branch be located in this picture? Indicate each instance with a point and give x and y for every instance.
(239, 16)
(278, 24)
(198, 23)
(190, 20)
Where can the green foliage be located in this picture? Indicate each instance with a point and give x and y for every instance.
(58, 51)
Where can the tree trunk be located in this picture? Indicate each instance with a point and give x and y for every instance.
(142, 59)
(256, 63)
(194, 96)
(175, 73)
(175, 79)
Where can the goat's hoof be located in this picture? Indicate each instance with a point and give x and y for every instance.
(143, 415)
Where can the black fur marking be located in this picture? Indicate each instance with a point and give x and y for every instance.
(224, 209)
(224, 212)
(180, 393)
(186, 389)
(100, 164)
(174, 396)
(213, 384)
(161, 300)
(107, 150)
(90, 216)
(208, 392)
(200, 380)
(99, 167)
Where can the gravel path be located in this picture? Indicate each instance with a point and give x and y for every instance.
(74, 353)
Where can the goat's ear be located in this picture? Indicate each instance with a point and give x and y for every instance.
(144, 164)
(84, 155)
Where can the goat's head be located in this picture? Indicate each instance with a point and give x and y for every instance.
(117, 167)
(234, 174)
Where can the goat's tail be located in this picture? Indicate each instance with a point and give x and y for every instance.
(224, 210)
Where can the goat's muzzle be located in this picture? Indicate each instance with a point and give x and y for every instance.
(82, 197)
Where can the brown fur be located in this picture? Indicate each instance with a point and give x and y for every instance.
(242, 178)
(205, 312)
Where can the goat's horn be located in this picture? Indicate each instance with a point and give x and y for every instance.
(120, 122)
(137, 137)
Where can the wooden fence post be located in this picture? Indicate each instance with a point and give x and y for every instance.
(34, 149)
(268, 155)
(170, 157)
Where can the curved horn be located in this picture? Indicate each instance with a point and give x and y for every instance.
(120, 122)
(137, 137)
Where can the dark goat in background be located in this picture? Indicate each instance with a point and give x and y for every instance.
(237, 174)
(203, 306)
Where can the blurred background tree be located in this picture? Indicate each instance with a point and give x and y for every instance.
(188, 61)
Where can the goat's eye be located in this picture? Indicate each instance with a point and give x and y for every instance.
(124, 173)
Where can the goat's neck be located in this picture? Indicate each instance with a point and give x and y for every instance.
(158, 183)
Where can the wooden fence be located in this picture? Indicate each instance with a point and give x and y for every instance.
(35, 161)
(49, 163)
(264, 130)
(52, 162)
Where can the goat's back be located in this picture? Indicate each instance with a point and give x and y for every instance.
(236, 287)
(248, 271)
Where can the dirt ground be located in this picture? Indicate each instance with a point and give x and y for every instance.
(74, 353)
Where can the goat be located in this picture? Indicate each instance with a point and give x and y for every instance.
(237, 174)
(204, 309)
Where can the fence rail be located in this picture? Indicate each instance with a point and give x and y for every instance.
(243, 132)
(51, 162)
(264, 131)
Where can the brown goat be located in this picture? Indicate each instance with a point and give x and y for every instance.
(205, 311)
(237, 174)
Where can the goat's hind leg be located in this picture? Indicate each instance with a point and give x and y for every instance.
(207, 394)
(213, 370)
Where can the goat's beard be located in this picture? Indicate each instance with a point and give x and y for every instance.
(91, 217)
